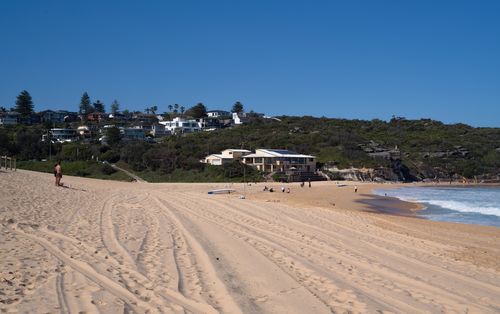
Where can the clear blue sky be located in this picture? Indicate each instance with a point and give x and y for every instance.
(348, 59)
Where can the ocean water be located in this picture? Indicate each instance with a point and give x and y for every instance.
(471, 205)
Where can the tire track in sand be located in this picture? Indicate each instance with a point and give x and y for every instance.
(366, 278)
(222, 298)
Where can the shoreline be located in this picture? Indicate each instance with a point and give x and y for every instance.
(443, 213)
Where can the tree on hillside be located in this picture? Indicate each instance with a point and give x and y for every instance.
(183, 109)
(170, 108)
(197, 111)
(24, 103)
(237, 107)
(154, 109)
(127, 113)
(99, 106)
(115, 106)
(85, 106)
(176, 108)
(113, 135)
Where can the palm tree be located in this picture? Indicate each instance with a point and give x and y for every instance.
(153, 109)
(182, 110)
(176, 108)
(147, 110)
(170, 108)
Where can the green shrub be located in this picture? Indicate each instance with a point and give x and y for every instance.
(107, 169)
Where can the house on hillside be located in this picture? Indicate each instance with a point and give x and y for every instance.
(179, 125)
(136, 133)
(145, 118)
(158, 130)
(9, 118)
(246, 117)
(210, 124)
(63, 135)
(97, 116)
(271, 160)
(226, 156)
(217, 113)
(239, 118)
(59, 116)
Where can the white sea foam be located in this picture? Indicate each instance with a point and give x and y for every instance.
(466, 208)
(485, 201)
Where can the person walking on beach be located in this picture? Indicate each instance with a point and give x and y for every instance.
(355, 189)
(309, 181)
(58, 173)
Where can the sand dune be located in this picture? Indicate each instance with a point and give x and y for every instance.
(100, 246)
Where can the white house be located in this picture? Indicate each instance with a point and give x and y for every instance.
(239, 118)
(217, 113)
(179, 125)
(270, 160)
(227, 155)
(84, 131)
(64, 135)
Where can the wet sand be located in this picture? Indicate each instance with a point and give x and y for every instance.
(389, 205)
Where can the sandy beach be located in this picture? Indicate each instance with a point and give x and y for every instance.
(106, 247)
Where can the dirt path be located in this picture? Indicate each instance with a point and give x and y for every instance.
(130, 174)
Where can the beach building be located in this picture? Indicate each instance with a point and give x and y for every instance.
(227, 155)
(271, 160)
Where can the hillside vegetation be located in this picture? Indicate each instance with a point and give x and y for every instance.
(399, 149)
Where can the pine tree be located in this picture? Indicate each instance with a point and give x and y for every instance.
(197, 111)
(85, 106)
(24, 104)
(115, 106)
(99, 106)
(237, 107)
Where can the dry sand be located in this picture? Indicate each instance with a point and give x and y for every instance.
(100, 246)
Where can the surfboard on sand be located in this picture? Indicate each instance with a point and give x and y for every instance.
(221, 191)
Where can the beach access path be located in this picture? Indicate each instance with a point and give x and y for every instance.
(103, 246)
